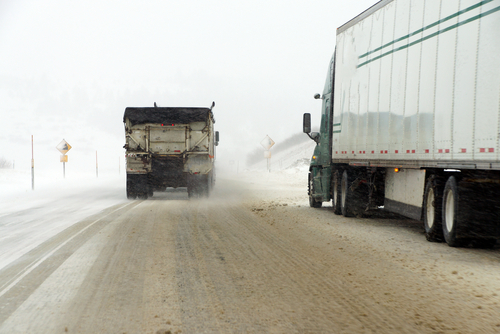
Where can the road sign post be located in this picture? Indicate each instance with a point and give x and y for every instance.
(64, 147)
(267, 143)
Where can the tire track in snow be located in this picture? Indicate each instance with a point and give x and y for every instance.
(19, 279)
(286, 260)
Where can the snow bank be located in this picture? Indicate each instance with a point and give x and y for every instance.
(299, 155)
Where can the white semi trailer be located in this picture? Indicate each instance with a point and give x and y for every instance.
(411, 118)
(169, 147)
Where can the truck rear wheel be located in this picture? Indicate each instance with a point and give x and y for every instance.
(470, 213)
(336, 196)
(433, 200)
(150, 186)
(192, 187)
(198, 185)
(142, 186)
(131, 194)
(484, 243)
(137, 186)
(453, 214)
(204, 186)
(313, 203)
(354, 197)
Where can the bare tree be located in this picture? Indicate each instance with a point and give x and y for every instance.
(4, 163)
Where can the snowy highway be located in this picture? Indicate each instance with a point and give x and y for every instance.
(253, 258)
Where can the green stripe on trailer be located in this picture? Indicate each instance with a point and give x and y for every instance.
(474, 18)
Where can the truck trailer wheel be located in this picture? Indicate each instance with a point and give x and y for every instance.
(353, 195)
(131, 194)
(142, 186)
(204, 186)
(454, 223)
(190, 191)
(336, 196)
(313, 203)
(469, 213)
(192, 187)
(137, 186)
(433, 200)
(198, 186)
(211, 182)
(150, 190)
(484, 243)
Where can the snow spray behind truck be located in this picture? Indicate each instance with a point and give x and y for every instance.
(169, 147)
(411, 118)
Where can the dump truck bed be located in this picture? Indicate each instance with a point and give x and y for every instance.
(169, 147)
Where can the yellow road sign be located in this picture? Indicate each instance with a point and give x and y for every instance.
(267, 142)
(63, 147)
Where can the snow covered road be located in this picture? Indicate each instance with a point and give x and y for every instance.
(28, 218)
(252, 258)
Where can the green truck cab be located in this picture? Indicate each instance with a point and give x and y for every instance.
(319, 187)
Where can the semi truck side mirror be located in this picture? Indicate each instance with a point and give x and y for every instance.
(306, 127)
(216, 138)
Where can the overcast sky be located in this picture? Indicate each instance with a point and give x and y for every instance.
(68, 69)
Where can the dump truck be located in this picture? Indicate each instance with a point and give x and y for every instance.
(169, 147)
(410, 118)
